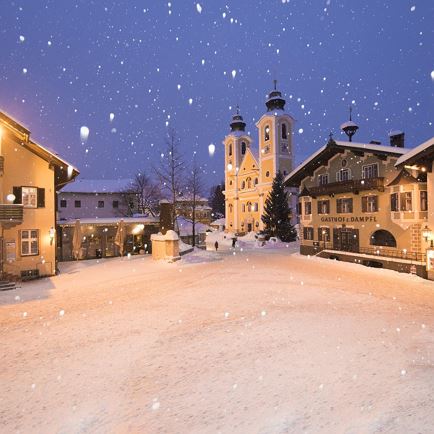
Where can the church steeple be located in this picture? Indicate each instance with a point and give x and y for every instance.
(275, 100)
(237, 123)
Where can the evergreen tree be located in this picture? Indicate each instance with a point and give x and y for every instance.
(276, 212)
(217, 200)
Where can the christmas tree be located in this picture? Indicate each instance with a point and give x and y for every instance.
(276, 212)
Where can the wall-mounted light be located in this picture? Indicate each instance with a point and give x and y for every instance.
(10, 198)
(52, 234)
(426, 232)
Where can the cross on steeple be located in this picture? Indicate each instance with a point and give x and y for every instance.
(351, 110)
(275, 84)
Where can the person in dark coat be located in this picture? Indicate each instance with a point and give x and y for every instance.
(234, 240)
(216, 245)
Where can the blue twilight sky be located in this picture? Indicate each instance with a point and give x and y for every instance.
(67, 64)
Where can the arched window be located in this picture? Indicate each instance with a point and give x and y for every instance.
(243, 185)
(230, 149)
(284, 132)
(249, 182)
(256, 181)
(243, 207)
(249, 206)
(267, 173)
(383, 238)
(255, 206)
(230, 207)
(243, 148)
(267, 133)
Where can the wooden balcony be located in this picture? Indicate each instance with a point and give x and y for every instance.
(11, 214)
(351, 186)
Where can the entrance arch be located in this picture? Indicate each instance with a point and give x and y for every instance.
(382, 238)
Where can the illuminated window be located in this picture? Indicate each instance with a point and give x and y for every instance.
(29, 197)
(284, 132)
(267, 133)
(423, 201)
(230, 149)
(369, 203)
(243, 148)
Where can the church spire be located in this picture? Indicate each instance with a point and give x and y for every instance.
(237, 123)
(275, 101)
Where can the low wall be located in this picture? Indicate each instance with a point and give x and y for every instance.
(368, 260)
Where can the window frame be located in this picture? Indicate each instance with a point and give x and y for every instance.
(267, 133)
(63, 203)
(369, 203)
(34, 194)
(320, 206)
(77, 203)
(100, 204)
(423, 200)
(307, 207)
(322, 177)
(29, 241)
(340, 172)
(368, 166)
(341, 209)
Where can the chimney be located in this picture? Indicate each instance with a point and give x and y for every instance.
(396, 139)
(375, 142)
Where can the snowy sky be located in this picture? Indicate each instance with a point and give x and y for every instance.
(68, 64)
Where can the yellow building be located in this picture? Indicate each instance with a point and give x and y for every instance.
(364, 203)
(249, 172)
(30, 176)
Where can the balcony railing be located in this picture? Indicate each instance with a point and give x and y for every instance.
(351, 186)
(393, 253)
(11, 213)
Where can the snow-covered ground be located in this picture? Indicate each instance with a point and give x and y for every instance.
(260, 341)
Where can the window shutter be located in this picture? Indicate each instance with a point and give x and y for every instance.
(320, 234)
(402, 200)
(375, 203)
(351, 205)
(339, 206)
(305, 233)
(17, 191)
(319, 207)
(41, 197)
(364, 203)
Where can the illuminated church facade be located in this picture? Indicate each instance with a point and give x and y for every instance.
(250, 170)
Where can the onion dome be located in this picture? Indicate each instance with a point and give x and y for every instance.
(237, 123)
(275, 100)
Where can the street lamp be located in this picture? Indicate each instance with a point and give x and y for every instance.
(427, 234)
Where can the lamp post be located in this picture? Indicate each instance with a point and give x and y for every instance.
(427, 234)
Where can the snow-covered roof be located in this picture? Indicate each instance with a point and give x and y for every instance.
(333, 145)
(219, 222)
(395, 133)
(169, 236)
(414, 153)
(348, 124)
(186, 227)
(110, 221)
(98, 186)
(189, 198)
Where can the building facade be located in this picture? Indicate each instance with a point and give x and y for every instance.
(249, 171)
(96, 198)
(358, 204)
(30, 176)
(202, 211)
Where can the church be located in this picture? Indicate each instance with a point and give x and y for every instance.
(250, 170)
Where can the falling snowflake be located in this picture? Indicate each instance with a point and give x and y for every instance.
(211, 149)
(199, 8)
(234, 73)
(190, 101)
(22, 38)
(112, 116)
(84, 133)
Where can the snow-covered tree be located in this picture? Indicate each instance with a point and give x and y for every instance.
(145, 194)
(217, 200)
(276, 217)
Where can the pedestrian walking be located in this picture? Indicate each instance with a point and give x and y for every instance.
(216, 245)
(234, 240)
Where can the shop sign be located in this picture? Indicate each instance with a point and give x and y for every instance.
(352, 219)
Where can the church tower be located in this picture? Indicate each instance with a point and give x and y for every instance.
(275, 138)
(237, 143)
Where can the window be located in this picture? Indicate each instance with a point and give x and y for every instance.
(249, 182)
(370, 171)
(308, 233)
(383, 238)
(307, 208)
(343, 175)
(344, 206)
(230, 149)
(284, 132)
(369, 203)
(394, 206)
(255, 206)
(284, 147)
(323, 207)
(29, 197)
(243, 148)
(77, 204)
(406, 201)
(115, 204)
(243, 185)
(266, 149)
(243, 207)
(63, 203)
(324, 234)
(323, 179)
(423, 201)
(100, 204)
(267, 174)
(230, 207)
(256, 181)
(29, 242)
(249, 206)
(267, 133)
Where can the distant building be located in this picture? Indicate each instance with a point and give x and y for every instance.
(184, 208)
(367, 203)
(96, 198)
(30, 176)
(249, 172)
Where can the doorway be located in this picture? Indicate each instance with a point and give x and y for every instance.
(346, 239)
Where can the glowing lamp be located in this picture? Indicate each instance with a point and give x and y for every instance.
(426, 232)
(10, 198)
(52, 234)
